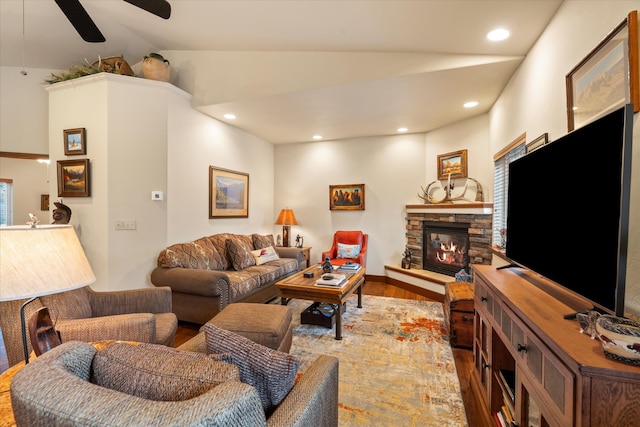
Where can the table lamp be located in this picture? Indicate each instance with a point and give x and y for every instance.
(286, 218)
(43, 260)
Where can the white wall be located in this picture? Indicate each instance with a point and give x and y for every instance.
(393, 168)
(389, 166)
(24, 110)
(196, 142)
(535, 102)
(143, 136)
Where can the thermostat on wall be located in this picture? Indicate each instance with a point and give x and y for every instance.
(157, 195)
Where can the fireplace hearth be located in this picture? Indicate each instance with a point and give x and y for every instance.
(446, 247)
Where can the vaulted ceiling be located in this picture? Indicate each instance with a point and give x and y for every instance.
(291, 69)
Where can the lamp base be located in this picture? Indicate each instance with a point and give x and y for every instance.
(42, 332)
(286, 241)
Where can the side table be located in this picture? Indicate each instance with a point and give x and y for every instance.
(306, 252)
(6, 411)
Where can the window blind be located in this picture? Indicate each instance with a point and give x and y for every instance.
(500, 187)
(6, 202)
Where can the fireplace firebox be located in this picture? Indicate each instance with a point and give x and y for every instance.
(446, 247)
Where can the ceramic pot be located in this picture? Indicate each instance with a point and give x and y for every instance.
(156, 68)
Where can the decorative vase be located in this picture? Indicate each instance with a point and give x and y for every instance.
(155, 67)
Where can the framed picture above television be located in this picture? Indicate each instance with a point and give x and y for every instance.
(607, 78)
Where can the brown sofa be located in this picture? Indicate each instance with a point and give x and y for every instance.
(212, 272)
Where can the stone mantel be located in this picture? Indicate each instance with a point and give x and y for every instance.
(473, 208)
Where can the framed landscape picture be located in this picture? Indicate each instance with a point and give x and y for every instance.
(347, 197)
(607, 78)
(73, 178)
(75, 142)
(228, 193)
(452, 165)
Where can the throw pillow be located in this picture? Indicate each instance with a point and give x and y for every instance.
(260, 242)
(348, 251)
(272, 373)
(213, 259)
(240, 254)
(197, 254)
(265, 255)
(157, 372)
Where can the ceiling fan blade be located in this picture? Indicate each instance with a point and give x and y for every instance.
(160, 8)
(81, 20)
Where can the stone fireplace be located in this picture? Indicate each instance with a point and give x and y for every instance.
(447, 237)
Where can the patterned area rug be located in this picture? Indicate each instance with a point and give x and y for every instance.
(396, 364)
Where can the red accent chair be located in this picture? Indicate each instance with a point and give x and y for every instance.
(348, 238)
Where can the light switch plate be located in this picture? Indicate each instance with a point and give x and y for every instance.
(157, 195)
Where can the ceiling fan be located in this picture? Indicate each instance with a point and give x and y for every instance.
(84, 25)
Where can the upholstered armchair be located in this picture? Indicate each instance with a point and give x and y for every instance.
(76, 384)
(348, 246)
(141, 315)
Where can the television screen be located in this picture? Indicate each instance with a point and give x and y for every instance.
(568, 210)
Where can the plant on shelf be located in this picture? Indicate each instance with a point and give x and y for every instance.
(112, 64)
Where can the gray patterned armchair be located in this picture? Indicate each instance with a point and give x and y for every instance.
(141, 315)
(74, 385)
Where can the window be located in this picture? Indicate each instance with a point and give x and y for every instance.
(6, 202)
(513, 151)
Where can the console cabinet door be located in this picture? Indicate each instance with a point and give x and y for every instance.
(481, 348)
(551, 380)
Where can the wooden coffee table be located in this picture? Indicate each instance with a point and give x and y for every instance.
(300, 287)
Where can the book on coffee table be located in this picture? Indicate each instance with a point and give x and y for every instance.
(332, 280)
(350, 267)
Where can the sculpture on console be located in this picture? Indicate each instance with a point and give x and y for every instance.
(61, 214)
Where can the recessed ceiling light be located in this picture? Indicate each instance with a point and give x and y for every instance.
(498, 34)
(470, 104)
(402, 130)
(229, 116)
(317, 137)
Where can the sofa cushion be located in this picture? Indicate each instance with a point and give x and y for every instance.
(243, 282)
(260, 241)
(239, 252)
(196, 255)
(265, 255)
(272, 373)
(348, 251)
(215, 260)
(157, 372)
(219, 241)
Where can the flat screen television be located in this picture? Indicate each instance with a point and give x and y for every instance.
(568, 210)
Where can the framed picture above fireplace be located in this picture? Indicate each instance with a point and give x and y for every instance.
(452, 165)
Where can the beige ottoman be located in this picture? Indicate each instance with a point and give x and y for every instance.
(266, 324)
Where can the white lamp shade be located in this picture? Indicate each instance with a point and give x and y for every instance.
(40, 261)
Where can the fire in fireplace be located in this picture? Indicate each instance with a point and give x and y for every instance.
(445, 247)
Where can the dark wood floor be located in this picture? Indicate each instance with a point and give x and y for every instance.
(463, 358)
